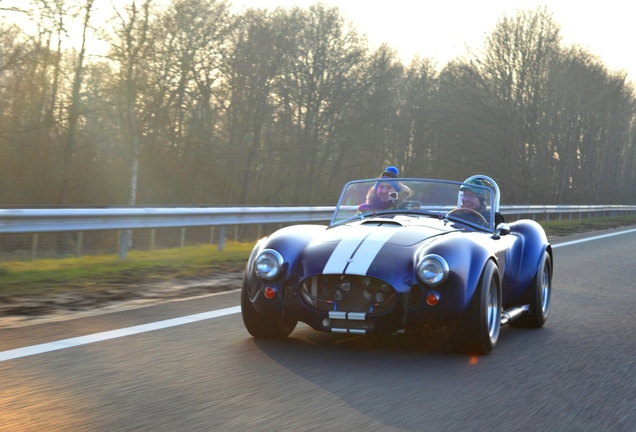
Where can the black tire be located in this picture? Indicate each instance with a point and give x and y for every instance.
(478, 330)
(263, 326)
(538, 296)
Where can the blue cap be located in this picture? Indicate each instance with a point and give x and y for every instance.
(393, 183)
(390, 171)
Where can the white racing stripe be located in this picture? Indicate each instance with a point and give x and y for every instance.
(369, 250)
(357, 250)
(344, 250)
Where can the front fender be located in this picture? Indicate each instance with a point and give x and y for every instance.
(466, 258)
(290, 243)
(531, 250)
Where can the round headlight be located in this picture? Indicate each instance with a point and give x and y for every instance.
(432, 269)
(268, 264)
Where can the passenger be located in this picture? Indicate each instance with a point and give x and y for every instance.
(384, 195)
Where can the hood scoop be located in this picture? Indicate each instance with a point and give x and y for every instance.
(384, 222)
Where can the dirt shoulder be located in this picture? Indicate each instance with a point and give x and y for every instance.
(110, 297)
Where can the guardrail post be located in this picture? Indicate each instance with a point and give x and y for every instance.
(34, 247)
(183, 235)
(153, 233)
(78, 249)
(222, 238)
(124, 243)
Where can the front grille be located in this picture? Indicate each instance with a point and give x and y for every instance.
(348, 293)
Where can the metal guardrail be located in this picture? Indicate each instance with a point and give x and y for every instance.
(56, 220)
(560, 210)
(125, 219)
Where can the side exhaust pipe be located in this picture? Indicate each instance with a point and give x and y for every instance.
(513, 313)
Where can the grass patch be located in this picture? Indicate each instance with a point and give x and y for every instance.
(26, 278)
(578, 226)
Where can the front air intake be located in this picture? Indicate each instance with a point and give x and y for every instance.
(349, 293)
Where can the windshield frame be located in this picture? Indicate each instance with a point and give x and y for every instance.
(428, 198)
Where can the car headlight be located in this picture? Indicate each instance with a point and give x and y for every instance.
(268, 264)
(432, 269)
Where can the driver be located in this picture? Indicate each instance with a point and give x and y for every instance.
(474, 198)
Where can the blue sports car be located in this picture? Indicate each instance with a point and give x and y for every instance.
(404, 255)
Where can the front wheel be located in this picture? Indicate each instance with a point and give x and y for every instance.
(478, 330)
(538, 296)
(263, 326)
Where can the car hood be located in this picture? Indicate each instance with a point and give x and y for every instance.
(398, 230)
(367, 247)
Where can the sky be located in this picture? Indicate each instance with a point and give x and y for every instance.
(441, 30)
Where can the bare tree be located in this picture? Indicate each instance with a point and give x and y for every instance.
(321, 78)
(416, 132)
(251, 72)
(189, 53)
(195, 105)
(129, 48)
(513, 73)
(74, 108)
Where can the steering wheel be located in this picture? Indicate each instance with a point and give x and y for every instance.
(471, 213)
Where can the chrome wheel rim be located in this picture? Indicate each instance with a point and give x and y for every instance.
(545, 291)
(492, 311)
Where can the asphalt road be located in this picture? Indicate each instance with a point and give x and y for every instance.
(151, 369)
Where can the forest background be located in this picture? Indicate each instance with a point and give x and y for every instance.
(192, 104)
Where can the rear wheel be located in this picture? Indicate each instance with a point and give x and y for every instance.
(478, 330)
(538, 296)
(263, 326)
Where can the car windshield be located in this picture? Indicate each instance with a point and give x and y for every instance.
(474, 202)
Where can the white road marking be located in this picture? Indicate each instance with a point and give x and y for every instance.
(113, 334)
(129, 331)
(573, 242)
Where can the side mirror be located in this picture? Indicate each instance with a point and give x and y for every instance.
(502, 229)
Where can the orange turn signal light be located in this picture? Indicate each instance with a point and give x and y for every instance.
(269, 292)
(432, 299)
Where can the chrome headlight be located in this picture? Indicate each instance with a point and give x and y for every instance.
(432, 269)
(268, 264)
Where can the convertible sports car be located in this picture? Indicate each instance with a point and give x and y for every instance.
(419, 260)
